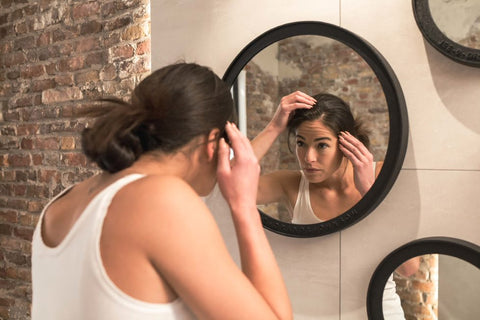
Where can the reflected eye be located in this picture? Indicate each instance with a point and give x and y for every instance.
(300, 143)
(322, 146)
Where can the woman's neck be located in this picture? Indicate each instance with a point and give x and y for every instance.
(176, 164)
(341, 180)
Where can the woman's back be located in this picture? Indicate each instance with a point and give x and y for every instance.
(81, 277)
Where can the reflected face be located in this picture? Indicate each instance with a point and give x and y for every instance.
(317, 151)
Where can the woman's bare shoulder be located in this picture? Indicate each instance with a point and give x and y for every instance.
(284, 175)
(289, 178)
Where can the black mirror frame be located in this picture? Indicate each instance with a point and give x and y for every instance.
(398, 119)
(431, 32)
(433, 245)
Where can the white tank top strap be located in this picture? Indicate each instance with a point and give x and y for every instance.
(302, 211)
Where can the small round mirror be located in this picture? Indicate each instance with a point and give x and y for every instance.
(431, 278)
(451, 27)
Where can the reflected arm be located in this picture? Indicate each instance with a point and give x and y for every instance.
(409, 267)
(296, 100)
(264, 140)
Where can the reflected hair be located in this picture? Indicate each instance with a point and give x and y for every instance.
(334, 113)
(168, 109)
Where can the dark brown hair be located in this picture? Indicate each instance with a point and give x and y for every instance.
(334, 113)
(168, 109)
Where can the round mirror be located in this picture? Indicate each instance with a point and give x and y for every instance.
(316, 57)
(451, 27)
(430, 278)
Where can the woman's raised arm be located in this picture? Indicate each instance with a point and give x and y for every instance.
(264, 140)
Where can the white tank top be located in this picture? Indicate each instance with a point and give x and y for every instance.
(302, 211)
(70, 282)
(391, 303)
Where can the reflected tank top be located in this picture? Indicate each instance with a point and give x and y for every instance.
(302, 211)
(70, 282)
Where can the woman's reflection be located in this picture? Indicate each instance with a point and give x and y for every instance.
(331, 147)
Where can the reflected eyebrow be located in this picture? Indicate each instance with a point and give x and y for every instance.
(316, 139)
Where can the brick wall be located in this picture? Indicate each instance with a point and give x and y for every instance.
(419, 292)
(55, 58)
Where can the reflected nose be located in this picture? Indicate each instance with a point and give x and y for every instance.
(311, 155)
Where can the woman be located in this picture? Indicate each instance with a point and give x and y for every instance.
(136, 241)
(337, 168)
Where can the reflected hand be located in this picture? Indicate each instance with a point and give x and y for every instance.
(288, 104)
(361, 159)
(238, 179)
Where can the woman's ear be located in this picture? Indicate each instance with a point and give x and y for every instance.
(212, 143)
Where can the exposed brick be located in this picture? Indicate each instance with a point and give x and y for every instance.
(71, 64)
(4, 312)
(8, 216)
(40, 85)
(7, 175)
(95, 58)
(133, 33)
(117, 23)
(15, 59)
(18, 160)
(49, 143)
(37, 191)
(37, 159)
(23, 233)
(86, 10)
(3, 18)
(32, 71)
(61, 94)
(67, 143)
(35, 206)
(87, 76)
(74, 159)
(6, 229)
(64, 79)
(44, 39)
(86, 45)
(11, 116)
(51, 68)
(6, 302)
(90, 27)
(122, 52)
(143, 47)
(26, 129)
(48, 53)
(15, 258)
(109, 72)
(12, 75)
(17, 14)
(24, 43)
(20, 102)
(27, 143)
(31, 9)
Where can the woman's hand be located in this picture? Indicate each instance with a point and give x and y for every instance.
(238, 179)
(288, 104)
(361, 159)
